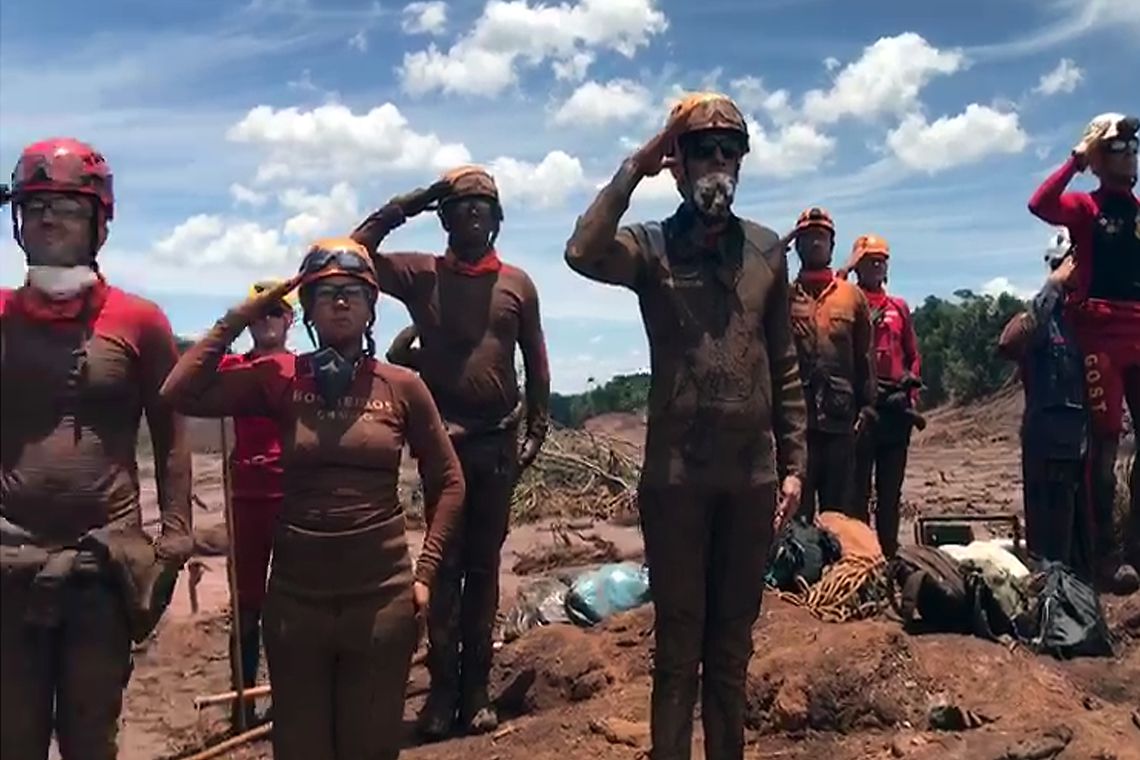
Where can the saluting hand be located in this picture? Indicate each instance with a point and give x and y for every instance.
(256, 307)
(654, 156)
(418, 200)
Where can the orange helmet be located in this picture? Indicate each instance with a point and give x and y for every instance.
(870, 244)
(815, 217)
(865, 245)
(330, 257)
(710, 110)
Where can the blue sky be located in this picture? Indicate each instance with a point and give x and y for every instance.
(239, 131)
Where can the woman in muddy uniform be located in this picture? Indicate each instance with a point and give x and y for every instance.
(344, 604)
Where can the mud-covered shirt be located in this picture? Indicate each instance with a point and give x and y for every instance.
(76, 378)
(342, 525)
(725, 398)
(468, 326)
(832, 326)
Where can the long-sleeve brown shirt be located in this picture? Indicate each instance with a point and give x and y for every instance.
(342, 524)
(468, 328)
(74, 384)
(726, 407)
(834, 339)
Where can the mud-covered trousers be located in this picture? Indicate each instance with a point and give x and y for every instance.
(830, 471)
(339, 671)
(69, 678)
(465, 597)
(707, 550)
(1052, 489)
(880, 468)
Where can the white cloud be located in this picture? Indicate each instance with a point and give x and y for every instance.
(752, 96)
(831, 63)
(207, 239)
(510, 32)
(333, 141)
(543, 185)
(886, 79)
(999, 285)
(304, 83)
(795, 149)
(425, 18)
(594, 104)
(574, 68)
(659, 188)
(1076, 18)
(950, 141)
(242, 194)
(318, 215)
(1064, 78)
(359, 42)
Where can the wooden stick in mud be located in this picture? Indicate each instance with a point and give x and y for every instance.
(229, 696)
(231, 561)
(264, 690)
(233, 742)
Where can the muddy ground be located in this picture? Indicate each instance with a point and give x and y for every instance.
(856, 690)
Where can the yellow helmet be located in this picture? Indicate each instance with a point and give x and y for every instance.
(261, 286)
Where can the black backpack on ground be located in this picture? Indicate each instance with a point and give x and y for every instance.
(801, 550)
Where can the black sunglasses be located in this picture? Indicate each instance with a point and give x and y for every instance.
(321, 258)
(705, 147)
(1120, 145)
(355, 291)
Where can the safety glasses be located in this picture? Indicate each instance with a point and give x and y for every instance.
(358, 292)
(61, 206)
(1120, 145)
(319, 259)
(705, 147)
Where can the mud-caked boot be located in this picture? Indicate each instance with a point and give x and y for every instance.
(1119, 579)
(478, 715)
(436, 720)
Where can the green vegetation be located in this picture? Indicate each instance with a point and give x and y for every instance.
(623, 393)
(957, 338)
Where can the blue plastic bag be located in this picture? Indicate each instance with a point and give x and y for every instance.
(608, 590)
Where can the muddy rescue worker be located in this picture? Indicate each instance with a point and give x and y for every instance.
(256, 486)
(1054, 426)
(726, 411)
(1104, 309)
(881, 448)
(470, 311)
(344, 602)
(832, 326)
(82, 361)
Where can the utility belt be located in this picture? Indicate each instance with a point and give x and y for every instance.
(122, 558)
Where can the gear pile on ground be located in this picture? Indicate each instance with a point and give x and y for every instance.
(578, 474)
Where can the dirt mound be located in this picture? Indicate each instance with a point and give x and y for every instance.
(990, 420)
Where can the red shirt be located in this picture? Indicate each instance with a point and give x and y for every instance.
(896, 345)
(1105, 231)
(256, 456)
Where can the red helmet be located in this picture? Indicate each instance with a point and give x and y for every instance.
(64, 165)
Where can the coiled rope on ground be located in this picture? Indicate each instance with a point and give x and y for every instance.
(853, 588)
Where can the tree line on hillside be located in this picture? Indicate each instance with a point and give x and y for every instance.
(957, 339)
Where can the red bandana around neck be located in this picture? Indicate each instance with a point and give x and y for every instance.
(35, 305)
(816, 276)
(877, 299)
(489, 264)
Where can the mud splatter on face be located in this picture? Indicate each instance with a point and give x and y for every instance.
(713, 194)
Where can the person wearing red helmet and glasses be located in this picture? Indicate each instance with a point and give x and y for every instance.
(345, 606)
(1104, 310)
(881, 449)
(470, 311)
(256, 489)
(82, 361)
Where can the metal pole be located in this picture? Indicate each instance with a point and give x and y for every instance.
(231, 572)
